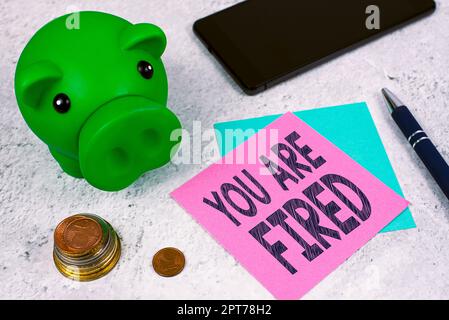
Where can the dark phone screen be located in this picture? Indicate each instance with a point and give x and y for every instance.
(262, 41)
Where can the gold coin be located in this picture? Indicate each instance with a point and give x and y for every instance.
(168, 262)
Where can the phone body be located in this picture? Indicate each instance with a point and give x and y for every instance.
(263, 42)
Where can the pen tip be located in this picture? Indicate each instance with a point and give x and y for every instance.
(391, 100)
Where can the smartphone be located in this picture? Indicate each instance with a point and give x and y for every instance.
(263, 42)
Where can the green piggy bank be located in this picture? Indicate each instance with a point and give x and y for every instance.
(95, 92)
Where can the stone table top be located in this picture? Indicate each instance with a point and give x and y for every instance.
(35, 194)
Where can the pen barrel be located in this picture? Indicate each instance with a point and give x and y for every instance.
(423, 146)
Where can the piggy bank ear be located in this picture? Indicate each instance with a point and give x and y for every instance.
(144, 36)
(33, 81)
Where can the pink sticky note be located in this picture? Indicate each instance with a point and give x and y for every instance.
(294, 225)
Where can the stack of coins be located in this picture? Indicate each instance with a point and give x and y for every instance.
(86, 247)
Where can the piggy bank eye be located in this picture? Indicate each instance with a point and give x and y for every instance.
(61, 103)
(145, 69)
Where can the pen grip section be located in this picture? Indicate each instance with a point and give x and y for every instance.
(408, 124)
(435, 163)
(423, 146)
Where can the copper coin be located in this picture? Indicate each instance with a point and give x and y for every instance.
(169, 262)
(59, 233)
(82, 234)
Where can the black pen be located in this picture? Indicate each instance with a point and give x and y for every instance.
(419, 140)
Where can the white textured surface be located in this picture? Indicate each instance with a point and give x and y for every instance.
(35, 195)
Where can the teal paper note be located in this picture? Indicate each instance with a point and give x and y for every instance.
(351, 128)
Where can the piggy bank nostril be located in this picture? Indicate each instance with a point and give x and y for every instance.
(150, 138)
(117, 158)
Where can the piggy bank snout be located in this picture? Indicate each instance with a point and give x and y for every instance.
(124, 139)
